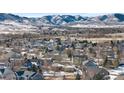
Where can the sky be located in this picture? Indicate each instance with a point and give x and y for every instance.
(43, 14)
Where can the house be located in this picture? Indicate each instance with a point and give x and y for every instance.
(92, 71)
(121, 61)
(15, 62)
(2, 65)
(90, 68)
(28, 75)
(6, 73)
(46, 61)
(79, 57)
(69, 68)
(15, 59)
(57, 66)
(102, 74)
(79, 46)
(34, 61)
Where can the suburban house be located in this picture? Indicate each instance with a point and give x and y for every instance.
(6, 73)
(28, 75)
(90, 68)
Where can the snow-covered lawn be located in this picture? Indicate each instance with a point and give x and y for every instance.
(116, 72)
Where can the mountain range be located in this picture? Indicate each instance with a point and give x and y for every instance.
(12, 22)
(116, 18)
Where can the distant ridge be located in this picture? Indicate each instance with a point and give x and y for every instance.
(109, 19)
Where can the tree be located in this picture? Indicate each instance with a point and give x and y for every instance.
(94, 44)
(59, 41)
(34, 68)
(112, 44)
(46, 49)
(69, 53)
(105, 61)
(25, 55)
(73, 45)
(58, 48)
(78, 77)
(116, 63)
(91, 50)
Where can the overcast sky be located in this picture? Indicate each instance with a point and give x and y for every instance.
(43, 14)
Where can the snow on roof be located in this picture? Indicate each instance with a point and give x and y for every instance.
(34, 63)
(69, 66)
(57, 64)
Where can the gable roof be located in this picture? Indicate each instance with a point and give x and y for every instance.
(24, 74)
(89, 63)
(7, 73)
(37, 76)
